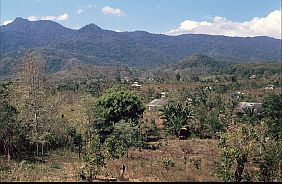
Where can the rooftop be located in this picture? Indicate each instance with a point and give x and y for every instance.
(158, 103)
(242, 106)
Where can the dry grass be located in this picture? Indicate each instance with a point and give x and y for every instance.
(150, 165)
(55, 168)
(147, 165)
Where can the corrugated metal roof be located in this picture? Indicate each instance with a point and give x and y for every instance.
(242, 106)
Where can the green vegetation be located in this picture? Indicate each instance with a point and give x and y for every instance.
(272, 105)
(245, 144)
(91, 128)
(10, 128)
(175, 117)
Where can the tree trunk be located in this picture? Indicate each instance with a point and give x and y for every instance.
(8, 153)
(280, 167)
(79, 151)
(42, 151)
(122, 170)
(90, 132)
(240, 168)
(7, 150)
(37, 149)
(238, 172)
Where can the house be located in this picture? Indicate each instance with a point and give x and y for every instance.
(163, 94)
(208, 88)
(156, 104)
(269, 87)
(189, 101)
(243, 107)
(126, 79)
(136, 85)
(253, 77)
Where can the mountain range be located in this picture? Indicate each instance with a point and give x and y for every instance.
(96, 46)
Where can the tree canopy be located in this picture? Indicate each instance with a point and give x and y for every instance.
(116, 105)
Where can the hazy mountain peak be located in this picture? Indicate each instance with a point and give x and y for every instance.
(91, 27)
(19, 19)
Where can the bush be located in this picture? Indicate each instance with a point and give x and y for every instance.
(167, 163)
(55, 165)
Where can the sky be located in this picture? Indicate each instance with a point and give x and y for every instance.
(172, 17)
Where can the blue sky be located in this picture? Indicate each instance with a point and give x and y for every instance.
(156, 16)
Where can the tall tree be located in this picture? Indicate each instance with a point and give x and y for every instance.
(116, 126)
(32, 89)
(113, 106)
(9, 126)
(272, 111)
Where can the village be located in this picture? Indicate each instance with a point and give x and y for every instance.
(140, 91)
(179, 123)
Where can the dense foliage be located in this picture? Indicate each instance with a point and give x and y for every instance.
(176, 116)
(272, 105)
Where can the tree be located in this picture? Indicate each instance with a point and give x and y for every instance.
(116, 125)
(236, 146)
(247, 145)
(152, 132)
(76, 139)
(33, 99)
(32, 86)
(211, 112)
(175, 116)
(116, 105)
(272, 111)
(95, 160)
(118, 143)
(269, 160)
(10, 129)
(120, 104)
(177, 77)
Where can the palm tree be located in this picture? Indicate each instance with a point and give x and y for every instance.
(176, 116)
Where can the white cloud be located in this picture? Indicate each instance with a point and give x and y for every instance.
(48, 17)
(32, 18)
(7, 22)
(79, 11)
(63, 17)
(265, 26)
(112, 11)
